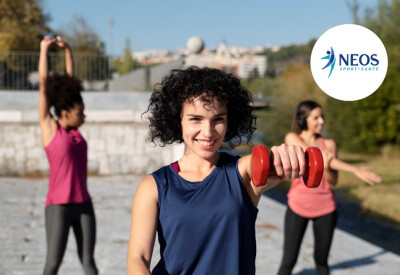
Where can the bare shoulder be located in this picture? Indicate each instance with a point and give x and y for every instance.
(147, 189)
(292, 138)
(330, 144)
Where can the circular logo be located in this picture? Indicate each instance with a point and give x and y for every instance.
(349, 62)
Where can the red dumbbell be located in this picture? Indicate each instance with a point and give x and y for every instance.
(260, 165)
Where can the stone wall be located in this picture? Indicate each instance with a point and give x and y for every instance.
(114, 130)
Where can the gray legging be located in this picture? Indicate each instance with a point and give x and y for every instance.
(59, 218)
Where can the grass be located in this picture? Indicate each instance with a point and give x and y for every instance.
(381, 200)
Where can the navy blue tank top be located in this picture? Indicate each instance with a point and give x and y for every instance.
(205, 227)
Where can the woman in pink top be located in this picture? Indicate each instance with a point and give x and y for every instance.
(68, 202)
(317, 204)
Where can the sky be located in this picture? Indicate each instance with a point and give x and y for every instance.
(168, 24)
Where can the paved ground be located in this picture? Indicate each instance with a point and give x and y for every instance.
(22, 234)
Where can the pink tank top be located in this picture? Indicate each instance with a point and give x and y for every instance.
(67, 156)
(312, 202)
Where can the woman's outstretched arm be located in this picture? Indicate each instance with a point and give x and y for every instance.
(333, 164)
(287, 162)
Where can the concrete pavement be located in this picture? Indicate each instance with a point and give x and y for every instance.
(23, 248)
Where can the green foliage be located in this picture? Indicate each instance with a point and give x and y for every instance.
(90, 60)
(280, 60)
(265, 86)
(127, 64)
(368, 124)
(22, 25)
(268, 127)
(81, 37)
(284, 92)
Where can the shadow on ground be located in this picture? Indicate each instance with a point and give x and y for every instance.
(353, 221)
(347, 264)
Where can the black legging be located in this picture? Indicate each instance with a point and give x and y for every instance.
(295, 226)
(59, 218)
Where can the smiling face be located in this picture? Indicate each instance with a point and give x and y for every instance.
(203, 127)
(315, 121)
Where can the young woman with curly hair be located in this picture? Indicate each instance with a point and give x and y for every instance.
(68, 203)
(203, 206)
(318, 204)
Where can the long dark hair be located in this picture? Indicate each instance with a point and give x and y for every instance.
(303, 110)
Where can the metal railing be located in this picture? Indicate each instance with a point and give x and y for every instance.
(19, 70)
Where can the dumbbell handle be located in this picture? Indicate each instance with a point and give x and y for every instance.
(260, 166)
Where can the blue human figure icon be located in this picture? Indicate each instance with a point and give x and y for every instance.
(331, 60)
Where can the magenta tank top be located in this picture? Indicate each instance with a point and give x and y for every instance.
(67, 156)
(311, 202)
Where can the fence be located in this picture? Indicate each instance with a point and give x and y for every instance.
(19, 70)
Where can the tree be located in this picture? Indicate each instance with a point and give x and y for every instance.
(22, 25)
(298, 85)
(127, 64)
(91, 63)
(81, 37)
(280, 60)
(285, 92)
(368, 124)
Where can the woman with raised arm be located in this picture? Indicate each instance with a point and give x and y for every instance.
(203, 206)
(68, 203)
(317, 205)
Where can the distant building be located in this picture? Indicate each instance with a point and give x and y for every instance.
(241, 61)
(250, 65)
(154, 57)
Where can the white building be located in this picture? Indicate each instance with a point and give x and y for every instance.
(241, 61)
(248, 64)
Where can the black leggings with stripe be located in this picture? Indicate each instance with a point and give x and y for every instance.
(295, 226)
(59, 218)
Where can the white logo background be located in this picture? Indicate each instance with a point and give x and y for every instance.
(348, 85)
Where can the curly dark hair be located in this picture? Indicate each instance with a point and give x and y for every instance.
(63, 92)
(181, 86)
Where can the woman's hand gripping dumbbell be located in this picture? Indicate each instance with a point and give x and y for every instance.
(261, 168)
